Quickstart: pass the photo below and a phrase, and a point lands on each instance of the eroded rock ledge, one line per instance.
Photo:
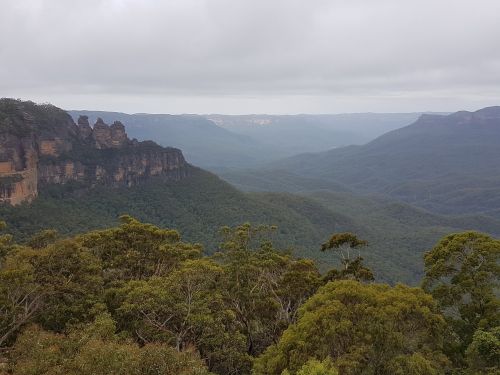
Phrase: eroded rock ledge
(41, 145)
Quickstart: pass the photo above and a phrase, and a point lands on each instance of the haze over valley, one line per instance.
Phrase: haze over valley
(218, 142)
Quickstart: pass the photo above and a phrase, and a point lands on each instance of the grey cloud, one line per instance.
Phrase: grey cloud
(230, 55)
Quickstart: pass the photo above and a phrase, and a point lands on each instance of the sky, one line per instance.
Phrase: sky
(252, 56)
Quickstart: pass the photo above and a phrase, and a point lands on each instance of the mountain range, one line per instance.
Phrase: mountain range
(86, 177)
(447, 164)
(224, 142)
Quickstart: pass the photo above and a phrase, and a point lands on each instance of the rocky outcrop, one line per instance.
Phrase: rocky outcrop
(41, 145)
(18, 169)
(84, 129)
(118, 136)
(103, 135)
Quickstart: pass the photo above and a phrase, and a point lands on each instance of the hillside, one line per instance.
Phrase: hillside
(279, 180)
(198, 206)
(201, 203)
(447, 164)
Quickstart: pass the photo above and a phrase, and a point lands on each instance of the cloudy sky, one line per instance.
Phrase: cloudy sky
(252, 56)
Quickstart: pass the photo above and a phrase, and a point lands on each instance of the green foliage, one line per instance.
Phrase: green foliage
(6, 243)
(315, 367)
(345, 244)
(155, 285)
(462, 273)
(414, 364)
(95, 349)
(262, 286)
(16, 117)
(20, 296)
(71, 283)
(11, 119)
(57, 285)
(483, 354)
(185, 309)
(340, 240)
(43, 238)
(135, 299)
(197, 206)
(245, 237)
(353, 270)
(201, 204)
(364, 329)
(398, 233)
(137, 251)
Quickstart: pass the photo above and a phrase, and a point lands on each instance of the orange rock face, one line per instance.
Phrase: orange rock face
(104, 155)
(106, 136)
(17, 186)
(24, 190)
(6, 167)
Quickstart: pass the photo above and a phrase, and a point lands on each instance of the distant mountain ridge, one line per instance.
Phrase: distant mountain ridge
(314, 132)
(220, 142)
(448, 164)
(204, 143)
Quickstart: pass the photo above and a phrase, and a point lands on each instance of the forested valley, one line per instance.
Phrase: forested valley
(253, 187)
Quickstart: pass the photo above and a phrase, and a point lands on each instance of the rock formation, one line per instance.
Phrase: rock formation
(41, 145)
(84, 129)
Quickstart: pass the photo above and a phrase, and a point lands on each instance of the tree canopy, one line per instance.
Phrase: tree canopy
(136, 299)
(362, 329)
(463, 273)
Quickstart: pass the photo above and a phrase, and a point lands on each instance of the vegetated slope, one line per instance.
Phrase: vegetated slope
(263, 180)
(202, 142)
(448, 164)
(198, 206)
(202, 203)
(398, 233)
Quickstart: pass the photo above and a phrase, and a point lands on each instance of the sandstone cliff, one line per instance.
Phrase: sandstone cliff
(41, 145)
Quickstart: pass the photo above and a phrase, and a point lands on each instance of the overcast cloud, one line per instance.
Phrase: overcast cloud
(252, 56)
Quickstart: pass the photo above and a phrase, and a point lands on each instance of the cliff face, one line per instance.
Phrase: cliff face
(41, 145)
(128, 168)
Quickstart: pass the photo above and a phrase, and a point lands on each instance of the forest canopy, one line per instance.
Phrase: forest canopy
(137, 299)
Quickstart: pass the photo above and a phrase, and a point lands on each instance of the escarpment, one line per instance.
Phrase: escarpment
(41, 145)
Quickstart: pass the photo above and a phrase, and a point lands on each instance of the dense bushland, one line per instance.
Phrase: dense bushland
(137, 299)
